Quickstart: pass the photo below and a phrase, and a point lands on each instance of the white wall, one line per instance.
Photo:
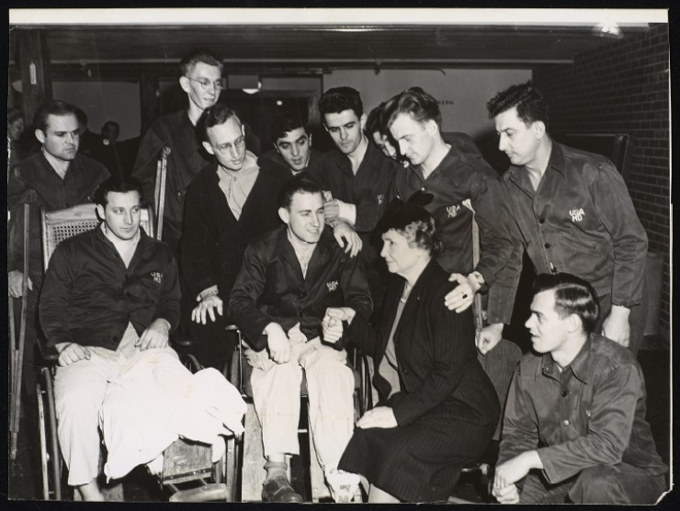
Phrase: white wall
(462, 93)
(104, 101)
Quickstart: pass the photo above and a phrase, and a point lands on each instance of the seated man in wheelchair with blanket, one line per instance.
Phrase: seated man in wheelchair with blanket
(109, 301)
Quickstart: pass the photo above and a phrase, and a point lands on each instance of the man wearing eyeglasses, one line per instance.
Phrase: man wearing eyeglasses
(202, 81)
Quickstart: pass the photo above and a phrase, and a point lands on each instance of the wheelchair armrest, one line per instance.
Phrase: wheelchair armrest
(49, 354)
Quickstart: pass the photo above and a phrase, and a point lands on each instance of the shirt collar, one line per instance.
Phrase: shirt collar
(249, 167)
(557, 160)
(579, 366)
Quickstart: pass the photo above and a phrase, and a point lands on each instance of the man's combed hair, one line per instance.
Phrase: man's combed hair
(118, 184)
(415, 102)
(297, 184)
(572, 296)
(198, 56)
(373, 124)
(55, 107)
(339, 99)
(285, 123)
(529, 101)
(213, 116)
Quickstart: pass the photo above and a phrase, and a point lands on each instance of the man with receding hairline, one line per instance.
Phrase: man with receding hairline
(574, 427)
(572, 213)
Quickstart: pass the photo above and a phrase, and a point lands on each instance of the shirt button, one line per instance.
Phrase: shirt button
(547, 245)
(565, 422)
(565, 393)
(541, 220)
(179, 195)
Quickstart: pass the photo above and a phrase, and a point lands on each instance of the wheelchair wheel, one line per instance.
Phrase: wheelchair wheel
(191, 363)
(50, 458)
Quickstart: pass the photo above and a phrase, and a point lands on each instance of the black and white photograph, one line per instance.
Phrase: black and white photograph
(339, 255)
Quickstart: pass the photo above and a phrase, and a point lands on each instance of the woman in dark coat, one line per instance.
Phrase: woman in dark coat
(438, 409)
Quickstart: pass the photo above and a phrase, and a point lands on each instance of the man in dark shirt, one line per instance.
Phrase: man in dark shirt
(110, 295)
(463, 186)
(202, 81)
(57, 177)
(576, 410)
(356, 178)
(572, 213)
(292, 144)
(288, 279)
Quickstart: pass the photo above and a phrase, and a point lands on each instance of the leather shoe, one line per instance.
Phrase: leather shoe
(278, 489)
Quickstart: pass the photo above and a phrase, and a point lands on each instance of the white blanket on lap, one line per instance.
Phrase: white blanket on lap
(159, 400)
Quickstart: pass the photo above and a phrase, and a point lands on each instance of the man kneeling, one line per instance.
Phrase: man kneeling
(288, 278)
(576, 410)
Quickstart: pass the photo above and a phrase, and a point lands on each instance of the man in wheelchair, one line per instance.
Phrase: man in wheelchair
(109, 301)
(288, 278)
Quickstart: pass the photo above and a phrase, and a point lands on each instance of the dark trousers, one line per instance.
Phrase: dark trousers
(601, 484)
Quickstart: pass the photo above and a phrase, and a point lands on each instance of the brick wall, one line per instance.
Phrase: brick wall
(622, 87)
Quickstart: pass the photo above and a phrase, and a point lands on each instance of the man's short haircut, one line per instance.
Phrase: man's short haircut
(213, 116)
(118, 184)
(530, 103)
(414, 102)
(572, 296)
(285, 123)
(198, 56)
(54, 107)
(339, 99)
(110, 123)
(373, 124)
(298, 184)
(81, 116)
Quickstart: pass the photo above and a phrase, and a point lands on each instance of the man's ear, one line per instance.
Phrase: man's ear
(40, 136)
(431, 126)
(283, 215)
(276, 148)
(101, 212)
(362, 121)
(574, 323)
(184, 83)
(310, 140)
(208, 148)
(539, 129)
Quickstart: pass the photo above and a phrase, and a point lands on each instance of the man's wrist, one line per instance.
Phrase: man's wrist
(620, 311)
(476, 280)
(207, 293)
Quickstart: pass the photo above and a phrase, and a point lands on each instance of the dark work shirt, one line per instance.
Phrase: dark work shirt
(271, 288)
(89, 296)
(81, 180)
(580, 220)
(459, 181)
(185, 161)
(368, 190)
(591, 413)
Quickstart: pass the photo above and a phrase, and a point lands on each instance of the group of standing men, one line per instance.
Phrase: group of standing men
(569, 210)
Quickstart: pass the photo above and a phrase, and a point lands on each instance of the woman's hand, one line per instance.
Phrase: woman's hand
(379, 417)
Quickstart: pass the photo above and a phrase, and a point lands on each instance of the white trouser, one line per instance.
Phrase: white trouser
(276, 395)
(79, 390)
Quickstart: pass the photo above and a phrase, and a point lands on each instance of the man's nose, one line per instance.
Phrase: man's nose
(343, 133)
(502, 143)
(296, 150)
(128, 218)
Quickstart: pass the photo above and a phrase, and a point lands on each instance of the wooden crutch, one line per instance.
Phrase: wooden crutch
(17, 360)
(159, 192)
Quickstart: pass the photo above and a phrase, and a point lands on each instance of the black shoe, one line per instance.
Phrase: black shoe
(278, 489)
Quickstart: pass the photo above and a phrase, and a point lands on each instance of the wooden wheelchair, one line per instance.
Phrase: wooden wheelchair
(188, 472)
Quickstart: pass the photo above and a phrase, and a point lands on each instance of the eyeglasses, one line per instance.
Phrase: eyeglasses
(205, 84)
(227, 148)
